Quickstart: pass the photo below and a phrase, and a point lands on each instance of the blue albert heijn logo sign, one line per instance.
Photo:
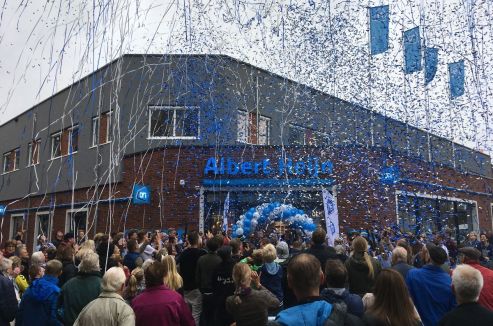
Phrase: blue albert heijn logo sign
(141, 195)
(389, 175)
(2, 210)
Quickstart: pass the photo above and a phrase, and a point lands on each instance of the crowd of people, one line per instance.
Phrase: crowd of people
(162, 278)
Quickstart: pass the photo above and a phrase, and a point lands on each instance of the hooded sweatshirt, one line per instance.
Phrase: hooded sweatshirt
(271, 279)
(360, 281)
(39, 303)
(313, 312)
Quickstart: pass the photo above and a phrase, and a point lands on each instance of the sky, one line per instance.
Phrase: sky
(46, 45)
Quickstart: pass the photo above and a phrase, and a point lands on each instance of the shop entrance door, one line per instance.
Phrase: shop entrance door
(309, 200)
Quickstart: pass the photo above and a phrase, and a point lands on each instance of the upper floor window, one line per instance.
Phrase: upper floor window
(253, 128)
(173, 122)
(73, 136)
(304, 136)
(65, 142)
(33, 152)
(56, 145)
(11, 160)
(101, 129)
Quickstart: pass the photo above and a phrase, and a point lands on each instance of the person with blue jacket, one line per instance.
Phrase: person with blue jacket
(39, 303)
(430, 287)
(305, 277)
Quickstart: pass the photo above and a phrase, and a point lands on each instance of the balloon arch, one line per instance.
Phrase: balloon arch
(267, 213)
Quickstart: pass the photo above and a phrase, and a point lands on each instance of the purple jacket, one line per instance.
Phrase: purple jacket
(159, 305)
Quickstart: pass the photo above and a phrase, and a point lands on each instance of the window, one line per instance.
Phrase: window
(43, 225)
(173, 122)
(76, 220)
(253, 128)
(296, 135)
(101, 131)
(304, 136)
(16, 226)
(109, 125)
(73, 136)
(11, 160)
(95, 131)
(420, 213)
(56, 145)
(33, 152)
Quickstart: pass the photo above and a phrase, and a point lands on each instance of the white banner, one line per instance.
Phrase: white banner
(225, 213)
(331, 216)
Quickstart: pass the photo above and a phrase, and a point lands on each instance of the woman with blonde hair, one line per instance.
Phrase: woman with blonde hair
(390, 304)
(250, 304)
(172, 280)
(362, 269)
(136, 284)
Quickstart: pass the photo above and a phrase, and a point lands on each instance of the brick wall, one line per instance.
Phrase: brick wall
(362, 200)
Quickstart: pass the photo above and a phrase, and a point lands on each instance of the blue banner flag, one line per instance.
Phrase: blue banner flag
(431, 64)
(379, 29)
(456, 78)
(412, 50)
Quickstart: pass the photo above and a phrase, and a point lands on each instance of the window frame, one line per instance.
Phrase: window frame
(52, 138)
(95, 131)
(109, 133)
(320, 134)
(15, 160)
(31, 151)
(174, 108)
(11, 227)
(475, 219)
(36, 225)
(68, 213)
(248, 128)
(70, 138)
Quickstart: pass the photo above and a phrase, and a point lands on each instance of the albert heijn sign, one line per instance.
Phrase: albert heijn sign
(141, 194)
(310, 167)
(3, 208)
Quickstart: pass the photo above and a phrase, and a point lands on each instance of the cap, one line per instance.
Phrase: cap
(470, 253)
(437, 254)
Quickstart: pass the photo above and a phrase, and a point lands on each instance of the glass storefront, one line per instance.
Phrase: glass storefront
(309, 201)
(420, 214)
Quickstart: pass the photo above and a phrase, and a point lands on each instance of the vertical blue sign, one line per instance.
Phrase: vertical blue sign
(412, 50)
(456, 78)
(431, 64)
(141, 195)
(379, 29)
(2, 210)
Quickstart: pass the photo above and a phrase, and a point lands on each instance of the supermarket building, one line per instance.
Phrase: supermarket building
(158, 141)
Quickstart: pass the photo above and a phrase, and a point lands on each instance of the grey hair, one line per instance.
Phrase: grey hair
(467, 282)
(5, 264)
(399, 254)
(147, 263)
(38, 258)
(113, 279)
(89, 263)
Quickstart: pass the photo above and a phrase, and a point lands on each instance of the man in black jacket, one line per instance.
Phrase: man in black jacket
(319, 249)
(467, 283)
(8, 300)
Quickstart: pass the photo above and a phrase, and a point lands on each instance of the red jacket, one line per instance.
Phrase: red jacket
(161, 306)
(486, 295)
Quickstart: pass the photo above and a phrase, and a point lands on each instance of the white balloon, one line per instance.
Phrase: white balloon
(239, 232)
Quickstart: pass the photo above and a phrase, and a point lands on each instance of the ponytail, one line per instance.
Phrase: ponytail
(369, 263)
(132, 285)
